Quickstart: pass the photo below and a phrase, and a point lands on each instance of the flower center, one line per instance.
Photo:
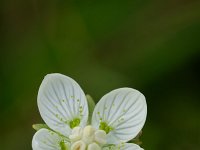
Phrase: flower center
(87, 138)
(104, 126)
(74, 123)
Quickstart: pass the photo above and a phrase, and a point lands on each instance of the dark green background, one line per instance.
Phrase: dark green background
(153, 46)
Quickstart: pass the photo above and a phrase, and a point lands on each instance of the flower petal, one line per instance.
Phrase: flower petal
(124, 146)
(130, 146)
(45, 139)
(62, 103)
(122, 113)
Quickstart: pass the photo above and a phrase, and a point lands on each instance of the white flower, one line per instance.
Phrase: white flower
(117, 118)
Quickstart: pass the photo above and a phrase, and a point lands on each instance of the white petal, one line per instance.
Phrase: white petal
(125, 146)
(45, 139)
(129, 146)
(61, 100)
(124, 110)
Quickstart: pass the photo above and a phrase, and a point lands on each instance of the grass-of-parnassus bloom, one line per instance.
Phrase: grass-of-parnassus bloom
(73, 122)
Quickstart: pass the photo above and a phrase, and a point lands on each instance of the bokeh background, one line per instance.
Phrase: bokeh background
(153, 46)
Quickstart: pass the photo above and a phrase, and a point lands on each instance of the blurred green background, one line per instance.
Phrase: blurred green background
(153, 46)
